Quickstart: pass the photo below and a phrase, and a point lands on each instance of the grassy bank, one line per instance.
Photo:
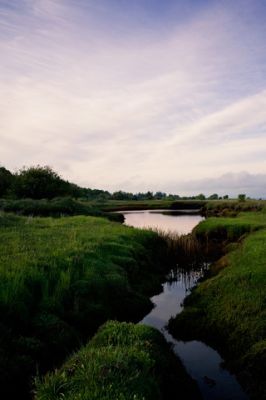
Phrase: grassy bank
(123, 361)
(228, 310)
(230, 229)
(231, 208)
(206, 207)
(60, 279)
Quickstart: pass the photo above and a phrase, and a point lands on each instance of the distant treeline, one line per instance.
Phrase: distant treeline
(41, 182)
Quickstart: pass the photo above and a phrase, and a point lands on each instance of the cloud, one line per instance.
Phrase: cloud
(110, 104)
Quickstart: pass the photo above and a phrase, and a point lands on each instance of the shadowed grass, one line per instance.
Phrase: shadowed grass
(123, 361)
(56, 207)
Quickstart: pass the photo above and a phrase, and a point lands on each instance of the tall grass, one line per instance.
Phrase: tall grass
(122, 361)
(60, 279)
(184, 247)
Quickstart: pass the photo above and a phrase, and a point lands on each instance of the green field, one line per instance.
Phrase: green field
(228, 309)
(60, 279)
(123, 361)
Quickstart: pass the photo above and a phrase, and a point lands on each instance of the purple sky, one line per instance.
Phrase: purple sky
(136, 95)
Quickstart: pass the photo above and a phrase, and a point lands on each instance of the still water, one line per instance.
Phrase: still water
(159, 220)
(202, 362)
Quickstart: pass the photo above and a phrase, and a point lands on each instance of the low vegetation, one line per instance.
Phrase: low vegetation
(58, 207)
(228, 309)
(60, 279)
(231, 208)
(123, 361)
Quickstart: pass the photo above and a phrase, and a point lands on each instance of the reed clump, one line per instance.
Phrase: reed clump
(185, 246)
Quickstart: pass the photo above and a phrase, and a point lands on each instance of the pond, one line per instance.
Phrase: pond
(202, 362)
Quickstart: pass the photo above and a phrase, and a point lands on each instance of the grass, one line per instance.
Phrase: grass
(123, 361)
(60, 279)
(229, 208)
(228, 310)
(121, 205)
(57, 207)
(230, 228)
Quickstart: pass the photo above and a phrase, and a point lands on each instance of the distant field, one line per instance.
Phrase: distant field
(208, 206)
(68, 206)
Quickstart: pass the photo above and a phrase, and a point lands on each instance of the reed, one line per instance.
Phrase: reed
(181, 247)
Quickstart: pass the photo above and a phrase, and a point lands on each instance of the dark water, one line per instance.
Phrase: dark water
(202, 362)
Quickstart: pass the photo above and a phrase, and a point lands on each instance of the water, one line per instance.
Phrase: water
(202, 362)
(156, 219)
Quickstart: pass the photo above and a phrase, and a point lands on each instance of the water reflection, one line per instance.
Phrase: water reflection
(202, 362)
(181, 224)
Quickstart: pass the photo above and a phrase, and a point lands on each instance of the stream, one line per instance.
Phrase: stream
(203, 363)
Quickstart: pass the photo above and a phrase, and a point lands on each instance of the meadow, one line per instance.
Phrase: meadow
(60, 279)
(227, 310)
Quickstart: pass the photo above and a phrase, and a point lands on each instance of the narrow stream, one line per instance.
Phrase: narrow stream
(202, 362)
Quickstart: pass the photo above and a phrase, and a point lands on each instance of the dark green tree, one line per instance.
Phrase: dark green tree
(159, 195)
(6, 181)
(200, 196)
(241, 197)
(213, 196)
(40, 182)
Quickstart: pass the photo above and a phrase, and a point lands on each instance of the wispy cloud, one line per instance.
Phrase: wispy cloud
(112, 103)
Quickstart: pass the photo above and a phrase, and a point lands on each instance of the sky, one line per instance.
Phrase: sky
(136, 95)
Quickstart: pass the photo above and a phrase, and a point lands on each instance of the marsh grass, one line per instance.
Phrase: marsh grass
(60, 279)
(123, 361)
(181, 248)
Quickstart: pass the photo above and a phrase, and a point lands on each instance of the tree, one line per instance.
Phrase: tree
(213, 196)
(226, 197)
(242, 197)
(200, 196)
(159, 195)
(40, 182)
(6, 181)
